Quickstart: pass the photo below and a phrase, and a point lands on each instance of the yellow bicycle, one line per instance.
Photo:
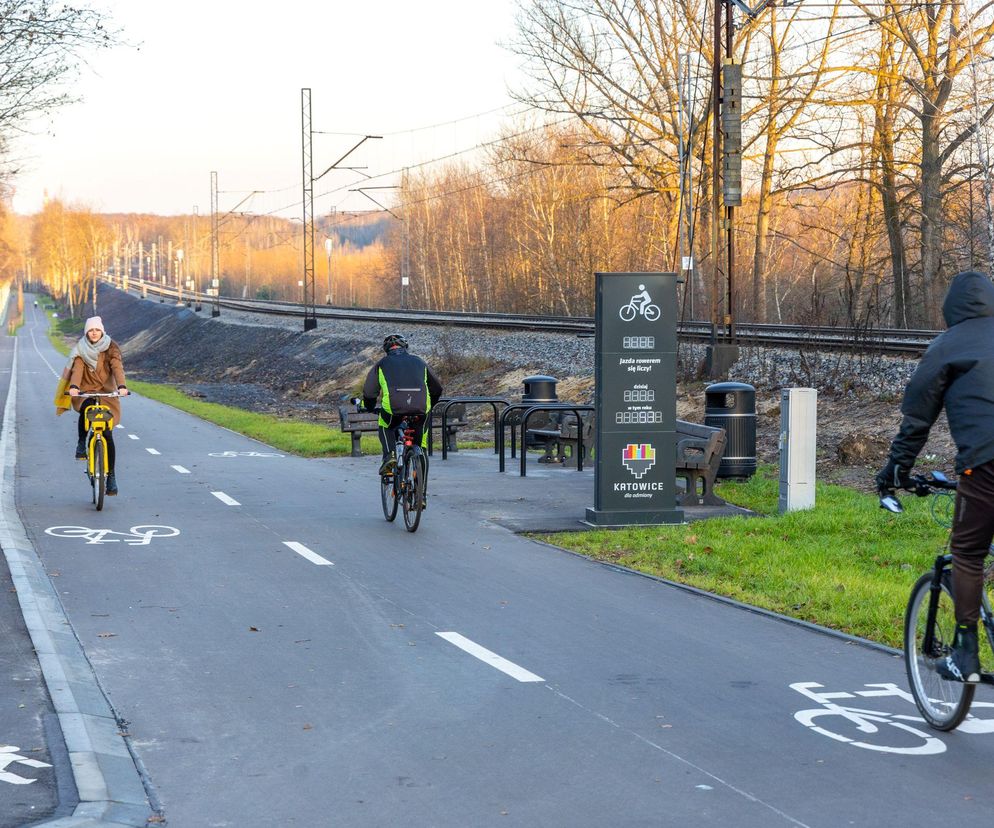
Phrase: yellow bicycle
(98, 419)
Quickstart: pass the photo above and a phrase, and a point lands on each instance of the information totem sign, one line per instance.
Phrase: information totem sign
(635, 374)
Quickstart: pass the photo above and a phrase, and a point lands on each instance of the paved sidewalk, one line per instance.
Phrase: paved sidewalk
(550, 498)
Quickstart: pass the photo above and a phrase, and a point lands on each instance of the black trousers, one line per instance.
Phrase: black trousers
(388, 434)
(388, 438)
(108, 434)
(973, 530)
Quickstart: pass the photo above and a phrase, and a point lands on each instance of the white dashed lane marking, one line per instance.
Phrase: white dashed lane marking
(491, 658)
(152, 451)
(304, 552)
(230, 501)
(181, 470)
(133, 437)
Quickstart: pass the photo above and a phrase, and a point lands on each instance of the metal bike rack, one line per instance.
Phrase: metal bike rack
(528, 409)
(450, 401)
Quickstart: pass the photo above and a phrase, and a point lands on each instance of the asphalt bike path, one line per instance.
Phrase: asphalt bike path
(279, 655)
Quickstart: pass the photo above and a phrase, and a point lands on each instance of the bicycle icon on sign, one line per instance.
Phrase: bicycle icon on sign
(136, 536)
(243, 454)
(640, 303)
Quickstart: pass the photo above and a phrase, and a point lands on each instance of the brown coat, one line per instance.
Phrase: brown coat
(108, 375)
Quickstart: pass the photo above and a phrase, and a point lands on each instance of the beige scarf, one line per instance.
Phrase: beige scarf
(88, 351)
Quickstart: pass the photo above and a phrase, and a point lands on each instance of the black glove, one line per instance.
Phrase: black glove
(892, 476)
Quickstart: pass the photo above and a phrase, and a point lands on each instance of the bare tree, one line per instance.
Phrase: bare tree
(41, 46)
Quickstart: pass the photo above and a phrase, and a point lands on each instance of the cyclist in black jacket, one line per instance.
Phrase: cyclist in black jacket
(406, 385)
(957, 371)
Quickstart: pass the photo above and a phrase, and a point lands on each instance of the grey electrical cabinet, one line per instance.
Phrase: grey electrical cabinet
(798, 443)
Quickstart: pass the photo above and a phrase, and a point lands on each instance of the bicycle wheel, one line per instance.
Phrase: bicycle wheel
(388, 494)
(413, 489)
(943, 704)
(99, 478)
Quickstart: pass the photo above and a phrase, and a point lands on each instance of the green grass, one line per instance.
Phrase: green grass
(846, 564)
(58, 329)
(294, 436)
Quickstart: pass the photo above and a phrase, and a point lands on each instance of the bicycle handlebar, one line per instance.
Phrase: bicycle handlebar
(922, 485)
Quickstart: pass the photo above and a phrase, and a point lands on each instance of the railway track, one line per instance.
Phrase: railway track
(875, 340)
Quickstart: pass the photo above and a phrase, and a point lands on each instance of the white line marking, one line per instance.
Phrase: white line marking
(494, 660)
(133, 437)
(181, 470)
(230, 501)
(151, 451)
(304, 552)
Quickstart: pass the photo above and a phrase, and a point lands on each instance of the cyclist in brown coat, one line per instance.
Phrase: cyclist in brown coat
(95, 366)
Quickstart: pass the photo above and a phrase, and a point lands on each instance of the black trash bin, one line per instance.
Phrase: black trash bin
(732, 406)
(540, 389)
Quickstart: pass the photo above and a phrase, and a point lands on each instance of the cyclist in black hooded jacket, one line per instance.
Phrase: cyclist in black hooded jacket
(957, 371)
(406, 385)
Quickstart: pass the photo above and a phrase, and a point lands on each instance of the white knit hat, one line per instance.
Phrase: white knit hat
(94, 322)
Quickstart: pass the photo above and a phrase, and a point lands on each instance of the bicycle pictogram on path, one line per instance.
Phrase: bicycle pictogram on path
(8, 756)
(243, 454)
(877, 730)
(135, 536)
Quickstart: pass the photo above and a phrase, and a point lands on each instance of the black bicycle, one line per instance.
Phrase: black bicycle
(930, 622)
(405, 484)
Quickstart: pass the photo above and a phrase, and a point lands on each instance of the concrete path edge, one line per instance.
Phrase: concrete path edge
(110, 786)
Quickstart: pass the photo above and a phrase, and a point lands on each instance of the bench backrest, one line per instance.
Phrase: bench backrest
(698, 445)
(569, 431)
(353, 420)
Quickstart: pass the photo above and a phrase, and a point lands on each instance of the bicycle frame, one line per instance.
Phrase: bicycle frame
(98, 420)
(943, 564)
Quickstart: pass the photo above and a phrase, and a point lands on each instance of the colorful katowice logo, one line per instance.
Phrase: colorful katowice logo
(638, 458)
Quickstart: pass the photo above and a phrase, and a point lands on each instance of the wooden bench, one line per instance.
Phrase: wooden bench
(566, 436)
(455, 418)
(698, 455)
(357, 423)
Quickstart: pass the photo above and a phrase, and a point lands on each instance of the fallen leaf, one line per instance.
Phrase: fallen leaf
(308, 727)
(106, 635)
(253, 629)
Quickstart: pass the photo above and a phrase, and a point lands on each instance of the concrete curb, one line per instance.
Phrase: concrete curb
(110, 787)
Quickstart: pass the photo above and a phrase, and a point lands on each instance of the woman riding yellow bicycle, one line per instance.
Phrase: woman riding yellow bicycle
(95, 366)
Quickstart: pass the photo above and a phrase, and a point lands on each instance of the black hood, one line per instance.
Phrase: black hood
(970, 295)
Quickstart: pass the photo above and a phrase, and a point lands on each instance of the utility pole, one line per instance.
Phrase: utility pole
(215, 263)
(310, 310)
(726, 189)
(726, 152)
(309, 179)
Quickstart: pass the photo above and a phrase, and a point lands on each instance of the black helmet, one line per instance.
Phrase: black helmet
(393, 341)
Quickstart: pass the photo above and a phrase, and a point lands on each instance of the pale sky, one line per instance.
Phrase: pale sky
(215, 85)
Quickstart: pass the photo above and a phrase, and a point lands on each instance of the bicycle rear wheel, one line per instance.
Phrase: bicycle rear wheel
(388, 494)
(413, 489)
(943, 704)
(99, 479)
